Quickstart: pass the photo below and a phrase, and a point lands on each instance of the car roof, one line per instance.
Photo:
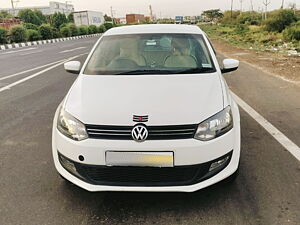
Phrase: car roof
(155, 28)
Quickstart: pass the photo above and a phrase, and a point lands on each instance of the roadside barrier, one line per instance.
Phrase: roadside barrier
(33, 43)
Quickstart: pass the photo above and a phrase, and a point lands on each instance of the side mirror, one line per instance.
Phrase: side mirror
(73, 67)
(230, 65)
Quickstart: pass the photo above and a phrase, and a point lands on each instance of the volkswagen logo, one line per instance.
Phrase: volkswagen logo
(139, 133)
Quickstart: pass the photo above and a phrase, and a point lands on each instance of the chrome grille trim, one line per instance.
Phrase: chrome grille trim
(166, 132)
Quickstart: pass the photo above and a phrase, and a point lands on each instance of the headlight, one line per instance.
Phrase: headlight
(215, 126)
(70, 126)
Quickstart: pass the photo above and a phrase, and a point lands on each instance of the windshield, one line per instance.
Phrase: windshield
(138, 54)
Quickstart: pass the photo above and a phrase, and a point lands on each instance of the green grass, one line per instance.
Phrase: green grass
(254, 37)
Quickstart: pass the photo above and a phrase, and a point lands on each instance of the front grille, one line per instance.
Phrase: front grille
(142, 176)
(155, 132)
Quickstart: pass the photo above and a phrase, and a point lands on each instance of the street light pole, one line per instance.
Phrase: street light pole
(231, 9)
(266, 3)
(13, 7)
(282, 4)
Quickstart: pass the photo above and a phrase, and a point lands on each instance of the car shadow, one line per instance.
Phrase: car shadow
(136, 207)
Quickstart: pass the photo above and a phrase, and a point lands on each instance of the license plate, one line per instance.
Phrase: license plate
(151, 159)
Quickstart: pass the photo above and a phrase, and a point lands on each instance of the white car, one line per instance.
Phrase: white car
(149, 111)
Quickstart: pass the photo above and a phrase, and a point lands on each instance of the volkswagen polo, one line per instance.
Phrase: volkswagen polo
(149, 111)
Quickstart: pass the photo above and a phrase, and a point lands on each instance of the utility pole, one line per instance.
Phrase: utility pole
(112, 15)
(282, 4)
(151, 13)
(13, 6)
(241, 2)
(231, 9)
(266, 3)
(252, 9)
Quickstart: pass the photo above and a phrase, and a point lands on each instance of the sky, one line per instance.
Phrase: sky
(161, 8)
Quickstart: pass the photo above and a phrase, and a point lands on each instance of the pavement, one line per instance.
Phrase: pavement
(266, 191)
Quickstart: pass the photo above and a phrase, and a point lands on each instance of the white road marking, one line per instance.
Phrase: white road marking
(278, 135)
(22, 50)
(7, 87)
(71, 50)
(27, 71)
(29, 53)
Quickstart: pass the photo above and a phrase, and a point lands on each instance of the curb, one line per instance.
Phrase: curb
(34, 43)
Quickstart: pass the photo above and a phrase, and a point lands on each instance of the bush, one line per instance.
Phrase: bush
(280, 19)
(73, 29)
(17, 33)
(92, 29)
(33, 35)
(101, 29)
(3, 36)
(108, 26)
(292, 33)
(55, 33)
(83, 30)
(241, 29)
(250, 18)
(228, 19)
(65, 32)
(31, 26)
(45, 31)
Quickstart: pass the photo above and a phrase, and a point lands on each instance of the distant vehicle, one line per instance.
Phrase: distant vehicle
(193, 20)
(178, 19)
(88, 18)
(149, 111)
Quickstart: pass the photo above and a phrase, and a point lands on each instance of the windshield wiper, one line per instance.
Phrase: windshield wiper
(195, 70)
(137, 72)
(185, 71)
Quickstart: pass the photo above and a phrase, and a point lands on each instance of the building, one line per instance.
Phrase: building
(135, 18)
(7, 23)
(121, 20)
(53, 7)
(88, 18)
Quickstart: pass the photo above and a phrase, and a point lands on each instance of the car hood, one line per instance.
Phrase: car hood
(166, 99)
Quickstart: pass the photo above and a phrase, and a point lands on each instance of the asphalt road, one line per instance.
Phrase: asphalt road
(267, 190)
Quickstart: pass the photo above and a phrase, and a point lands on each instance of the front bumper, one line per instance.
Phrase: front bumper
(187, 153)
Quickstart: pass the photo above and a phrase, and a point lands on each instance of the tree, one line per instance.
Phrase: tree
(28, 16)
(58, 19)
(107, 18)
(4, 14)
(71, 18)
(40, 15)
(213, 14)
